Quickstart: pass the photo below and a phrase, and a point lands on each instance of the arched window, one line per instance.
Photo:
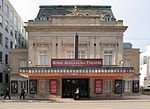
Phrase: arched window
(107, 17)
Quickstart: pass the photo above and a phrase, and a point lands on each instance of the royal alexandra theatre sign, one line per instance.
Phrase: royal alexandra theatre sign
(76, 62)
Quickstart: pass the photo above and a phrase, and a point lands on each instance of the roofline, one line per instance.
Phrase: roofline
(78, 6)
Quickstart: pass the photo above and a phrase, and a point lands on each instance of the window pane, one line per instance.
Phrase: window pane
(108, 58)
(1, 77)
(6, 78)
(1, 56)
(23, 63)
(1, 4)
(127, 63)
(43, 58)
(6, 59)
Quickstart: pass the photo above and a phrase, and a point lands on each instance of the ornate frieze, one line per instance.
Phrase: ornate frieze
(76, 28)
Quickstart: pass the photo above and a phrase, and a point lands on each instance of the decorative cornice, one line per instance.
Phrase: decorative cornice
(76, 28)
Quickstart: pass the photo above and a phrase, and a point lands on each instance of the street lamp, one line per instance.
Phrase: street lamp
(30, 62)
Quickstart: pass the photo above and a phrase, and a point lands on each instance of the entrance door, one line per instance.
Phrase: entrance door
(69, 87)
(42, 86)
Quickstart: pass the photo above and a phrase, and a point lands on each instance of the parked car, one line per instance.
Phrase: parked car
(146, 88)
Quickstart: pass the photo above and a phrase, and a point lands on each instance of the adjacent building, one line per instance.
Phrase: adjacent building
(12, 36)
(73, 47)
(145, 67)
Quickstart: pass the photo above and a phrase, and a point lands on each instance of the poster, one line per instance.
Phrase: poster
(98, 86)
(14, 86)
(53, 86)
(33, 86)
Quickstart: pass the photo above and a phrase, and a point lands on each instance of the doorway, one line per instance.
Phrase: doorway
(70, 85)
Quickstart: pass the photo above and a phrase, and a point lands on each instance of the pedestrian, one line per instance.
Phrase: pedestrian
(76, 95)
(7, 93)
(22, 94)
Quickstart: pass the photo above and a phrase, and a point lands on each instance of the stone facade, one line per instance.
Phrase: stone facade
(12, 35)
(99, 38)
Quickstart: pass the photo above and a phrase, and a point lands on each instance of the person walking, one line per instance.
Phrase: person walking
(22, 94)
(76, 95)
(7, 93)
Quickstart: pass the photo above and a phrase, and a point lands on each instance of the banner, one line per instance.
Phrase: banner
(98, 86)
(14, 86)
(53, 86)
(33, 86)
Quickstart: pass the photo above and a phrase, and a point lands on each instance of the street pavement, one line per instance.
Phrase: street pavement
(128, 102)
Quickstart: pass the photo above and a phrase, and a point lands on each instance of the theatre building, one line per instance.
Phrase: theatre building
(72, 47)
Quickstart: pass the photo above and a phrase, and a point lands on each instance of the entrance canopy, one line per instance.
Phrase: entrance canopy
(77, 72)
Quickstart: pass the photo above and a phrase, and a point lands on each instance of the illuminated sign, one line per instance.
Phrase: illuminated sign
(76, 62)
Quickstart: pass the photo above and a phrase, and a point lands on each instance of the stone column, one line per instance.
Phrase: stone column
(60, 51)
(53, 47)
(97, 48)
(91, 48)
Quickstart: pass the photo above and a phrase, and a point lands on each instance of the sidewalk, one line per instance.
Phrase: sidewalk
(70, 100)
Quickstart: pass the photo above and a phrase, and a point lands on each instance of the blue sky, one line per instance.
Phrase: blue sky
(134, 13)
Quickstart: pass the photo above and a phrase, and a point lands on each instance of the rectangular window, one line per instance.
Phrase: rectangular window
(1, 77)
(82, 55)
(1, 39)
(108, 57)
(11, 30)
(11, 44)
(127, 63)
(7, 10)
(6, 26)
(144, 61)
(22, 63)
(70, 55)
(15, 21)
(43, 58)
(1, 56)
(1, 21)
(23, 85)
(6, 78)
(6, 59)
(11, 16)
(6, 42)
(1, 4)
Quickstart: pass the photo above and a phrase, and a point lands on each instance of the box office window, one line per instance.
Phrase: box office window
(98, 86)
(53, 86)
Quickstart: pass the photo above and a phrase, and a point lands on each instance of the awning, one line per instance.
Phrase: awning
(76, 75)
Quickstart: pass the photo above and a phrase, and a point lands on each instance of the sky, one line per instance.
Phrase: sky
(134, 13)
